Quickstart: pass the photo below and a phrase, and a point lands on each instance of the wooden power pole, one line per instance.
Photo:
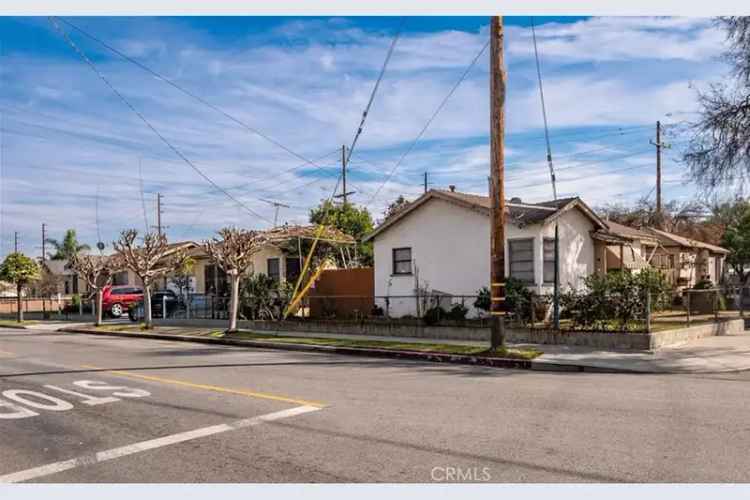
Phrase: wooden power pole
(44, 241)
(659, 145)
(497, 183)
(158, 213)
(344, 194)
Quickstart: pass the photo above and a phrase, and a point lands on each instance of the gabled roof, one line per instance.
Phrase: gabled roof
(675, 239)
(630, 233)
(519, 214)
(58, 267)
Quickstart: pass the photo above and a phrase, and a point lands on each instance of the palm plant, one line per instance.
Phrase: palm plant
(69, 246)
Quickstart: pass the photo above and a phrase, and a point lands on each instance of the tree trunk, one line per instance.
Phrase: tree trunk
(234, 301)
(147, 306)
(98, 320)
(19, 305)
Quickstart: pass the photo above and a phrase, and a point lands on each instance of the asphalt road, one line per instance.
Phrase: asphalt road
(156, 411)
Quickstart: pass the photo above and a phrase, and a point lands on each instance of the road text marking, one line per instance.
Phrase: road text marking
(103, 456)
(215, 388)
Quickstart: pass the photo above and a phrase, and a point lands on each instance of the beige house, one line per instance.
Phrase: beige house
(683, 261)
(280, 259)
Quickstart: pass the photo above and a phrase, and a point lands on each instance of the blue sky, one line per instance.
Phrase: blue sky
(72, 149)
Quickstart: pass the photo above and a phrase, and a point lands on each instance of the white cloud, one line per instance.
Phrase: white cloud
(71, 132)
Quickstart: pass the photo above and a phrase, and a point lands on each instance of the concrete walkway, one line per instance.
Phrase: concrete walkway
(729, 353)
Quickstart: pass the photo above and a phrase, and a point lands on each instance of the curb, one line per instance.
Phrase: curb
(17, 327)
(522, 364)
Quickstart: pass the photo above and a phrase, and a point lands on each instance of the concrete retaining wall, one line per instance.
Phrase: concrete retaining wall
(346, 328)
(599, 340)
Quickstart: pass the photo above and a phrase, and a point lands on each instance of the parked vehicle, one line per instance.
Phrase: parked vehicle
(159, 299)
(117, 299)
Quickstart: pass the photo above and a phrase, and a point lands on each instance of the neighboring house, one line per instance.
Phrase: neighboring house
(688, 261)
(281, 259)
(69, 282)
(440, 244)
(634, 250)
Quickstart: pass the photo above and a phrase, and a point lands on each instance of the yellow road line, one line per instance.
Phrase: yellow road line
(7, 354)
(215, 388)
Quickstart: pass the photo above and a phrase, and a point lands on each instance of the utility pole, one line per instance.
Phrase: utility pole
(44, 241)
(425, 182)
(15, 242)
(659, 145)
(343, 169)
(344, 194)
(497, 183)
(158, 213)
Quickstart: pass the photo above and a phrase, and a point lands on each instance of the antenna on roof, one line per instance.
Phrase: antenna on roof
(276, 205)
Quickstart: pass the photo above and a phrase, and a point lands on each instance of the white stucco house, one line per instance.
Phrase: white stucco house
(440, 244)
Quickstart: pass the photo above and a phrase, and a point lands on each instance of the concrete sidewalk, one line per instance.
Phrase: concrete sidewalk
(708, 355)
(729, 353)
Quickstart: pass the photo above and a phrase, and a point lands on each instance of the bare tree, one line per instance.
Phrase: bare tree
(233, 253)
(96, 271)
(47, 286)
(151, 261)
(718, 154)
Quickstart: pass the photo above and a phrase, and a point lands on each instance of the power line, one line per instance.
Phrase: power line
(426, 126)
(375, 89)
(626, 169)
(188, 93)
(546, 130)
(150, 126)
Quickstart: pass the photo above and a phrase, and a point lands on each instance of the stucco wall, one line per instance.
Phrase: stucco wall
(259, 265)
(451, 250)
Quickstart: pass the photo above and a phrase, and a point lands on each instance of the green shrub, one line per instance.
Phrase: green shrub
(433, 315)
(458, 312)
(262, 297)
(519, 300)
(483, 300)
(703, 284)
(616, 300)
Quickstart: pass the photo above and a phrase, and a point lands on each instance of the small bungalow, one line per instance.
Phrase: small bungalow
(440, 244)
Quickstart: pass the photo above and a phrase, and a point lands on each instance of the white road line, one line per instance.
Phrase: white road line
(103, 456)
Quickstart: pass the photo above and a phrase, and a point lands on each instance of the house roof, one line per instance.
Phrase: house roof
(58, 267)
(519, 213)
(282, 234)
(630, 233)
(682, 241)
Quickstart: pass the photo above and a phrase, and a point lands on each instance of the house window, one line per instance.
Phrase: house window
(273, 268)
(521, 256)
(215, 280)
(292, 268)
(120, 278)
(402, 261)
(67, 287)
(549, 260)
